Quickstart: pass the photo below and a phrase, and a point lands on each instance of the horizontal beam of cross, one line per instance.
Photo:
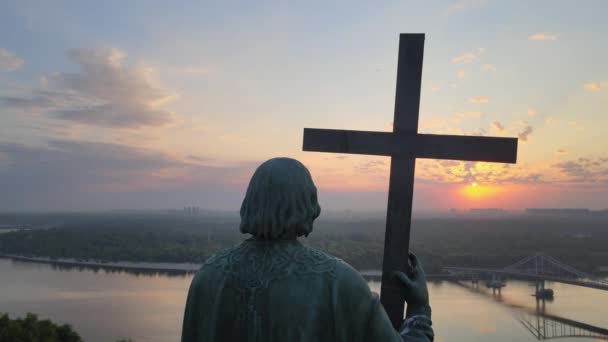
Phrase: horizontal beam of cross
(414, 145)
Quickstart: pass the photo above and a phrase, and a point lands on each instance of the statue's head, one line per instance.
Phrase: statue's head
(281, 201)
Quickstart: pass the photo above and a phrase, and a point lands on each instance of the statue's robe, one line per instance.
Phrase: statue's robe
(281, 290)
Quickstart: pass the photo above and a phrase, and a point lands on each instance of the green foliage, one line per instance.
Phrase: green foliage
(122, 237)
(31, 329)
(439, 242)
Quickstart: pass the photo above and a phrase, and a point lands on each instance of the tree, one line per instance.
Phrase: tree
(31, 329)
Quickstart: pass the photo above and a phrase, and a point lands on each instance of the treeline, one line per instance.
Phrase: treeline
(124, 237)
(439, 242)
(31, 329)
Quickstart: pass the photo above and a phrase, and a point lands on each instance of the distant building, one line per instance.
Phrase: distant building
(487, 212)
(558, 211)
(192, 210)
(600, 213)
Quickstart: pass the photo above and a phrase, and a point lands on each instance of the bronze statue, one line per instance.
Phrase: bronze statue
(271, 287)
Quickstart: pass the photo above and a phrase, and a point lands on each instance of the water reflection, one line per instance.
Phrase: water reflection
(107, 304)
(542, 325)
(122, 270)
(545, 327)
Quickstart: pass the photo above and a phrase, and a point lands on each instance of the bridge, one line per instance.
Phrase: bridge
(538, 267)
(545, 327)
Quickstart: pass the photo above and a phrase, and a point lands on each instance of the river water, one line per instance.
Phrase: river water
(104, 306)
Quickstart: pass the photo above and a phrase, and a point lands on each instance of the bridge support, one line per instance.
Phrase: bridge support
(541, 292)
(495, 283)
(475, 279)
(538, 267)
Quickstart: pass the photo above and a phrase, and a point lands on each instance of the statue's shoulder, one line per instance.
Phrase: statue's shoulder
(346, 279)
(275, 260)
(348, 274)
(312, 260)
(223, 258)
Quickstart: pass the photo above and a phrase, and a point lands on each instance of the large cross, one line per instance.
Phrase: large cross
(404, 145)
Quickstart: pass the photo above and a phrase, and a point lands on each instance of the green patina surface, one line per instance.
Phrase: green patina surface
(273, 288)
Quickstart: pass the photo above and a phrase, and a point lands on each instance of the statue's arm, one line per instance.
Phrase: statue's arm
(359, 315)
(415, 328)
(417, 324)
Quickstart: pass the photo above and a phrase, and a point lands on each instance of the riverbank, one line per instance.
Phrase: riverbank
(156, 267)
(160, 267)
(150, 308)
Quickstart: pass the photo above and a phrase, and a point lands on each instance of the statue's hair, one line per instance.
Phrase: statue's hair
(281, 201)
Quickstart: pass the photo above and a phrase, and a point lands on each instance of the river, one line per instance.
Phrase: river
(104, 306)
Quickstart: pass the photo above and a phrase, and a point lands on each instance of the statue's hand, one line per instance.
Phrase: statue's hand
(415, 290)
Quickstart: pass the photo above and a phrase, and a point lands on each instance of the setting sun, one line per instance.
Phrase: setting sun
(478, 191)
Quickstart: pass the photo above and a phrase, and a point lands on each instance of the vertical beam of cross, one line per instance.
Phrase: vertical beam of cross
(404, 145)
(401, 180)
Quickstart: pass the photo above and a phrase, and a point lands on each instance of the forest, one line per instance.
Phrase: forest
(30, 328)
(175, 237)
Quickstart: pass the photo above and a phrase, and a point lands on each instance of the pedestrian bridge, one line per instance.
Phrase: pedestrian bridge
(546, 327)
(537, 267)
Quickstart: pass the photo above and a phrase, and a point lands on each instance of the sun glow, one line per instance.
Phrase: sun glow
(476, 191)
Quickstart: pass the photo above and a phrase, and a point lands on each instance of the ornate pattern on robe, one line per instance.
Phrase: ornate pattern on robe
(282, 290)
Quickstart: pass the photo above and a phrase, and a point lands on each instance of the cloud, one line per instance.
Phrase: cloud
(103, 93)
(373, 166)
(75, 175)
(112, 115)
(498, 126)
(576, 125)
(338, 157)
(449, 163)
(525, 133)
(35, 102)
(464, 58)
(435, 87)
(86, 159)
(467, 57)
(531, 112)
(595, 86)
(462, 5)
(471, 115)
(580, 170)
(488, 68)
(197, 158)
(460, 172)
(479, 99)
(481, 132)
(454, 120)
(543, 36)
(65, 171)
(190, 70)
(8, 61)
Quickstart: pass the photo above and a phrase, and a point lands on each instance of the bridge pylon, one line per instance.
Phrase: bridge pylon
(540, 268)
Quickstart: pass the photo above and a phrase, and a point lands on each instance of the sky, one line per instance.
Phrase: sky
(158, 104)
